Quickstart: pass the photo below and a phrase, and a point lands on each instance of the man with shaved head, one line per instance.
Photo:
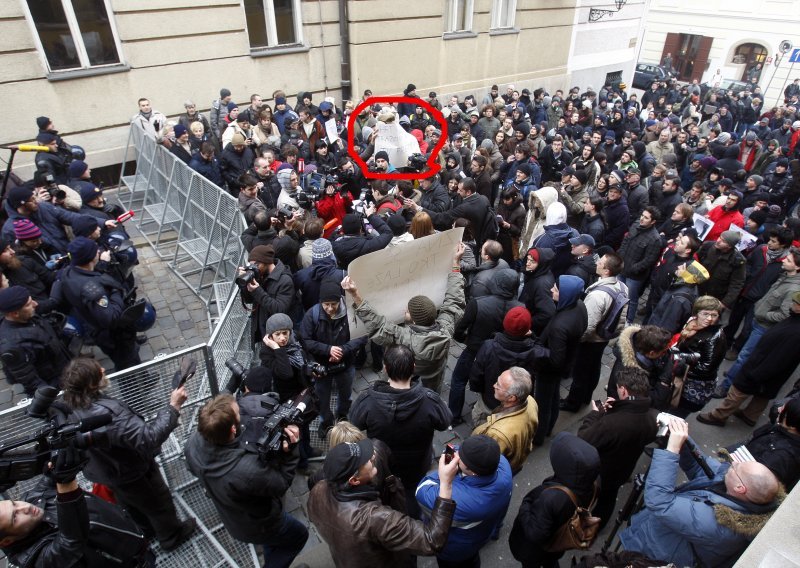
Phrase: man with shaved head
(705, 521)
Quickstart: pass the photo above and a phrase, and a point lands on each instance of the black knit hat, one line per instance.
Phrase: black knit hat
(258, 379)
(422, 310)
(481, 454)
(330, 291)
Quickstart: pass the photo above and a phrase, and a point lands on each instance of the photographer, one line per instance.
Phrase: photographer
(49, 527)
(126, 464)
(325, 334)
(266, 283)
(706, 522)
(351, 178)
(333, 204)
(246, 491)
(354, 242)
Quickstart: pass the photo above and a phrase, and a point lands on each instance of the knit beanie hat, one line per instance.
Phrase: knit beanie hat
(731, 237)
(481, 454)
(321, 248)
(82, 250)
(78, 167)
(397, 224)
(26, 230)
(695, 273)
(237, 139)
(534, 254)
(330, 291)
(422, 310)
(178, 129)
(278, 322)
(383, 154)
(13, 298)
(258, 379)
(18, 196)
(232, 105)
(84, 226)
(517, 322)
(262, 253)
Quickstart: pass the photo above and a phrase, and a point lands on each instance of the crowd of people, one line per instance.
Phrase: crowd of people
(574, 207)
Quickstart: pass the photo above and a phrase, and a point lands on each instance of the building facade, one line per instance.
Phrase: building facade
(732, 36)
(84, 64)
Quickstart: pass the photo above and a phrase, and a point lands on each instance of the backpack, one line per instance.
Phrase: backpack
(580, 531)
(607, 328)
(490, 228)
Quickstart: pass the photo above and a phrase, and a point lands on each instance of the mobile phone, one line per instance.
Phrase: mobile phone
(599, 404)
(449, 452)
(499, 218)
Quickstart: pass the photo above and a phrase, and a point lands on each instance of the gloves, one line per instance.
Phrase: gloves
(68, 462)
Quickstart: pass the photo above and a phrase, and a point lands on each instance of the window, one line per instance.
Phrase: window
(75, 34)
(749, 53)
(503, 13)
(459, 16)
(273, 23)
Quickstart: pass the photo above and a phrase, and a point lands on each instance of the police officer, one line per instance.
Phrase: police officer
(98, 300)
(51, 161)
(122, 254)
(31, 349)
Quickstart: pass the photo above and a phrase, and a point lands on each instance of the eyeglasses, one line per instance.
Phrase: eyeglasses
(741, 481)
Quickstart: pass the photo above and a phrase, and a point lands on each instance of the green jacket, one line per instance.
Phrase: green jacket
(430, 344)
(776, 304)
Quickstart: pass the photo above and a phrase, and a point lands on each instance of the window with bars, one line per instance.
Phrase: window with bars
(75, 34)
(273, 23)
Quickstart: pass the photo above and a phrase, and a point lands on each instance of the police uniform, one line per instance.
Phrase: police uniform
(98, 300)
(32, 353)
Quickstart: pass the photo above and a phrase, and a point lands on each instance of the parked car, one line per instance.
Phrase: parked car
(646, 73)
(730, 85)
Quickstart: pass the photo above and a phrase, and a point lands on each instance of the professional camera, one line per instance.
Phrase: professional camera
(685, 358)
(285, 212)
(297, 412)
(416, 163)
(317, 369)
(250, 274)
(52, 187)
(43, 444)
(662, 421)
(237, 375)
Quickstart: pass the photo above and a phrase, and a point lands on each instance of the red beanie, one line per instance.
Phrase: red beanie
(534, 254)
(517, 322)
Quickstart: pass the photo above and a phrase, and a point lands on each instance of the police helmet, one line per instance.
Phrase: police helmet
(78, 153)
(147, 319)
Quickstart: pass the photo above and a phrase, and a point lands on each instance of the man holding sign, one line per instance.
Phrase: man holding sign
(426, 331)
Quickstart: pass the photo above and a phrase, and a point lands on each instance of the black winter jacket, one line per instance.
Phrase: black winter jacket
(483, 316)
(773, 360)
(499, 354)
(247, 493)
(318, 333)
(726, 273)
(576, 465)
(405, 421)
(640, 251)
(536, 294)
(275, 295)
(349, 247)
(779, 450)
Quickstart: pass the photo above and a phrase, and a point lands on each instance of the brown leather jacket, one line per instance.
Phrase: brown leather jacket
(361, 532)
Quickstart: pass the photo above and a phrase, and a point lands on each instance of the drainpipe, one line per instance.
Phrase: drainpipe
(344, 31)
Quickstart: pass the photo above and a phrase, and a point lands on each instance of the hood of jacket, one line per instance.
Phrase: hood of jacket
(732, 152)
(322, 267)
(625, 346)
(570, 289)
(504, 283)
(556, 214)
(546, 256)
(747, 524)
(575, 462)
(398, 404)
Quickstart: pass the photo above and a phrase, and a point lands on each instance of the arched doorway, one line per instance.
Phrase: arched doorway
(752, 56)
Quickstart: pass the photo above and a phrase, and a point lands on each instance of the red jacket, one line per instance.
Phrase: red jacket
(722, 221)
(331, 207)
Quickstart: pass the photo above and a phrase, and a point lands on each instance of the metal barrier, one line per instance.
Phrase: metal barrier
(182, 215)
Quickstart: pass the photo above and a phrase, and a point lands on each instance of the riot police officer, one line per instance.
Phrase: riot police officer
(99, 301)
(31, 349)
(51, 162)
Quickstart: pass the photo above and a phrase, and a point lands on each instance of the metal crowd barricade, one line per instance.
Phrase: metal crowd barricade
(146, 389)
(183, 216)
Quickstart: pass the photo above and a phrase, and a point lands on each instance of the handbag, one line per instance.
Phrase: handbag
(580, 531)
(677, 388)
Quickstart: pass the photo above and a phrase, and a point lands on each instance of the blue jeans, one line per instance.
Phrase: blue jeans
(285, 544)
(344, 386)
(634, 291)
(458, 382)
(744, 354)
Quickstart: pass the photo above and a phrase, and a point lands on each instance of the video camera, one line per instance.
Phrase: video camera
(297, 412)
(685, 358)
(46, 442)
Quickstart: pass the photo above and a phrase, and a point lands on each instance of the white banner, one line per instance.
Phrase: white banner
(390, 277)
(330, 130)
